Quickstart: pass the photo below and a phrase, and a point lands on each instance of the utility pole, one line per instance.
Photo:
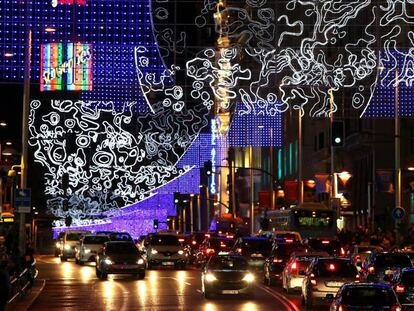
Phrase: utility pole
(300, 168)
(397, 157)
(251, 191)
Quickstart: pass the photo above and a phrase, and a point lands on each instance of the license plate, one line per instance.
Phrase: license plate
(124, 267)
(334, 284)
(230, 292)
(168, 263)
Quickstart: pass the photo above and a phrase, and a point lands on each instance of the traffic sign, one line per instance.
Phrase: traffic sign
(23, 198)
(398, 213)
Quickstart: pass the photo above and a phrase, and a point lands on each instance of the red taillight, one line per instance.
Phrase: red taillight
(332, 267)
(325, 242)
(181, 240)
(207, 235)
(223, 245)
(357, 278)
(357, 257)
(400, 288)
(239, 250)
(342, 308)
(194, 242)
(277, 260)
(313, 282)
(397, 307)
(294, 265)
(230, 237)
(371, 269)
(342, 251)
(289, 240)
(210, 251)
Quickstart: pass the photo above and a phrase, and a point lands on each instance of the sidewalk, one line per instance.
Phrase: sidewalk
(23, 304)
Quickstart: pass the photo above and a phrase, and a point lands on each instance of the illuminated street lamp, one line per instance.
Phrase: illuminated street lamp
(344, 177)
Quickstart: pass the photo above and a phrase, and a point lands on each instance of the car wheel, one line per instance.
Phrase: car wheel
(207, 295)
(98, 273)
(104, 275)
(308, 304)
(81, 262)
(140, 275)
(63, 258)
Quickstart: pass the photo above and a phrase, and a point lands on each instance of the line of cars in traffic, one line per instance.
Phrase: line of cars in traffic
(324, 272)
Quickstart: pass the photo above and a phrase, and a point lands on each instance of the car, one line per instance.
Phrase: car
(254, 250)
(276, 261)
(381, 266)
(331, 245)
(58, 244)
(167, 251)
(324, 277)
(295, 269)
(193, 245)
(90, 245)
(403, 284)
(120, 257)
(120, 236)
(358, 253)
(70, 241)
(210, 247)
(288, 236)
(365, 296)
(227, 275)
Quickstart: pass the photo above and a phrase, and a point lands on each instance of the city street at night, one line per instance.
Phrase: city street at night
(70, 287)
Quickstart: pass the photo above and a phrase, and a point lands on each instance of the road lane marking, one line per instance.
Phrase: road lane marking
(286, 302)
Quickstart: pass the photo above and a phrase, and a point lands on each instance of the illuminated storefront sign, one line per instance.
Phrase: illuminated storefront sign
(66, 66)
(213, 189)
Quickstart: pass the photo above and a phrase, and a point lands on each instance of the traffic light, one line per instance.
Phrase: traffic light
(155, 224)
(208, 167)
(177, 197)
(337, 139)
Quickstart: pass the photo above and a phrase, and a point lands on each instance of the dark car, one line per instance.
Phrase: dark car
(330, 245)
(254, 250)
(276, 261)
(227, 275)
(120, 257)
(365, 296)
(381, 266)
(212, 246)
(120, 236)
(403, 283)
(193, 243)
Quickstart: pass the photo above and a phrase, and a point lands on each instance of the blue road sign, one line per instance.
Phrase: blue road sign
(23, 198)
(398, 213)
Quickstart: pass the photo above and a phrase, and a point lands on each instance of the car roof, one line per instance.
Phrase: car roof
(120, 242)
(403, 270)
(335, 258)
(377, 285)
(255, 238)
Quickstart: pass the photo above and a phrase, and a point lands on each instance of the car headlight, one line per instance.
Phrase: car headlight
(209, 277)
(87, 250)
(180, 252)
(58, 245)
(154, 251)
(107, 261)
(140, 261)
(67, 247)
(249, 277)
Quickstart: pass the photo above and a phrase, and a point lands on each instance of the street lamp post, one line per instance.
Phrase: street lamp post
(397, 157)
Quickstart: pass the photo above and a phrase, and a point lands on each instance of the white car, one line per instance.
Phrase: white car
(71, 241)
(295, 269)
(166, 250)
(90, 245)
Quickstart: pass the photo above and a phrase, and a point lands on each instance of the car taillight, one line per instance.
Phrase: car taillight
(207, 235)
(342, 308)
(194, 242)
(223, 245)
(332, 267)
(294, 265)
(313, 282)
(396, 307)
(357, 257)
(342, 251)
(289, 240)
(325, 242)
(277, 260)
(181, 240)
(371, 269)
(239, 250)
(357, 278)
(210, 251)
(400, 288)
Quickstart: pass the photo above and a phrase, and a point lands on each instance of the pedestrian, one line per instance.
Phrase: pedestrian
(4, 285)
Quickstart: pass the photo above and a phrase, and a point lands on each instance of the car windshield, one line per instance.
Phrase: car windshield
(165, 240)
(257, 246)
(287, 236)
(368, 296)
(120, 236)
(95, 239)
(227, 263)
(336, 268)
(285, 250)
(121, 248)
(324, 245)
(408, 278)
(392, 261)
(73, 236)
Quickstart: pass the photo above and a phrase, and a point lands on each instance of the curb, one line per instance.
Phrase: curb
(26, 303)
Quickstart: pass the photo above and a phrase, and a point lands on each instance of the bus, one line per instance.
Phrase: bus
(227, 224)
(309, 219)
